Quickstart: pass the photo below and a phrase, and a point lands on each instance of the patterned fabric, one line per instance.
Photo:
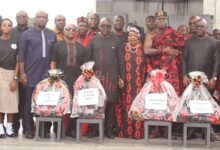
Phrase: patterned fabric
(162, 61)
(89, 111)
(63, 106)
(196, 90)
(85, 41)
(59, 35)
(155, 84)
(134, 78)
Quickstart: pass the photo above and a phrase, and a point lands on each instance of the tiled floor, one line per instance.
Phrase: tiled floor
(68, 143)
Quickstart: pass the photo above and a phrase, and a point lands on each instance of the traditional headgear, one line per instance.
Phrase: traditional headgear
(161, 13)
(134, 29)
(82, 19)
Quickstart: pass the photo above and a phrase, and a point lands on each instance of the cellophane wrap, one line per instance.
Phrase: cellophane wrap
(88, 111)
(196, 90)
(156, 83)
(63, 106)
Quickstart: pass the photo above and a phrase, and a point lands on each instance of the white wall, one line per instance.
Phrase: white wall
(69, 8)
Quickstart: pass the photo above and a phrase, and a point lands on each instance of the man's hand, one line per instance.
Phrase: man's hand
(171, 52)
(13, 85)
(23, 78)
(212, 84)
(121, 83)
(186, 81)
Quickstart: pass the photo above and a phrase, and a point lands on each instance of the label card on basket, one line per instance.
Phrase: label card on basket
(48, 98)
(157, 101)
(200, 107)
(88, 97)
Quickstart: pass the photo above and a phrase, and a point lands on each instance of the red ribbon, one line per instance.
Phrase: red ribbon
(156, 80)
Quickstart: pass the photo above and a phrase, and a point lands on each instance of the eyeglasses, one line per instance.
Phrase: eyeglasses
(69, 29)
(105, 26)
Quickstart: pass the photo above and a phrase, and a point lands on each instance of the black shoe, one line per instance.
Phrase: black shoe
(110, 135)
(2, 136)
(13, 135)
(72, 134)
(29, 135)
(92, 134)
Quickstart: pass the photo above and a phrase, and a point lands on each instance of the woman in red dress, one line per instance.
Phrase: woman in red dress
(132, 79)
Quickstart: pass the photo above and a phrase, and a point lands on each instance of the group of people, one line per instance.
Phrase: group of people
(123, 60)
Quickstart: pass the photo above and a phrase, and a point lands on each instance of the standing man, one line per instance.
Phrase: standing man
(22, 25)
(103, 50)
(118, 25)
(82, 30)
(93, 22)
(34, 56)
(192, 25)
(60, 23)
(164, 48)
(69, 55)
(201, 54)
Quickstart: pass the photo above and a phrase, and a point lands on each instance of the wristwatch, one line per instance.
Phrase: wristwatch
(15, 77)
(215, 78)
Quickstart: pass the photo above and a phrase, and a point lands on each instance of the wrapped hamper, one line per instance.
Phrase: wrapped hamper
(156, 100)
(197, 104)
(89, 95)
(51, 97)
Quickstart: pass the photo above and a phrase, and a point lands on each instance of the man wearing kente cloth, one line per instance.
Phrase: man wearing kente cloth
(164, 50)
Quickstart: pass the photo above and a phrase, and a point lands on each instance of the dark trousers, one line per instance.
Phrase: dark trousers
(27, 115)
(19, 115)
(109, 116)
(109, 119)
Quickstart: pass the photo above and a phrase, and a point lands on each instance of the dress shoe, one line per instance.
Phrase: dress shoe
(92, 134)
(2, 136)
(110, 135)
(29, 135)
(13, 135)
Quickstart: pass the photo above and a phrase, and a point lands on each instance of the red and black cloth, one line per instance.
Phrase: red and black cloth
(172, 65)
(132, 65)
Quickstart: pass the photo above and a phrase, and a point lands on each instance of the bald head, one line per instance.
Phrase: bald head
(192, 21)
(105, 19)
(22, 18)
(203, 21)
(41, 18)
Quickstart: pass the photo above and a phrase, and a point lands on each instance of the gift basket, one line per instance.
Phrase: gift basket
(156, 100)
(89, 95)
(197, 104)
(51, 97)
